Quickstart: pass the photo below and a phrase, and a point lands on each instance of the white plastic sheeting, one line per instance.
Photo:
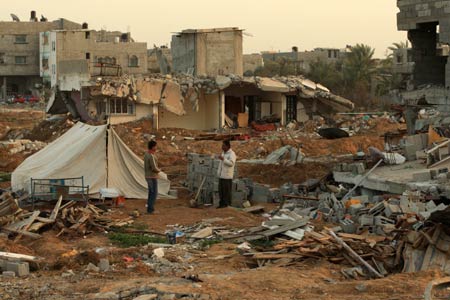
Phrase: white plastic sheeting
(81, 151)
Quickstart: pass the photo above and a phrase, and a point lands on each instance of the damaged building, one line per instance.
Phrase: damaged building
(211, 52)
(95, 80)
(70, 58)
(210, 103)
(428, 27)
(19, 53)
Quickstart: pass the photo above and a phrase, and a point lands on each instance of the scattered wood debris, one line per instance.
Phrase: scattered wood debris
(68, 218)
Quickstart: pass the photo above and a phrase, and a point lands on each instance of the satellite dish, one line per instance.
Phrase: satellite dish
(15, 18)
(43, 19)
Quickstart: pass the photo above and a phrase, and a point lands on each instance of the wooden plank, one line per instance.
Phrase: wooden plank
(27, 225)
(45, 220)
(80, 222)
(55, 211)
(275, 256)
(352, 236)
(354, 255)
(17, 256)
(22, 232)
(253, 209)
(281, 229)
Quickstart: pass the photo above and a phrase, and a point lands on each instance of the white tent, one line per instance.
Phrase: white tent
(94, 152)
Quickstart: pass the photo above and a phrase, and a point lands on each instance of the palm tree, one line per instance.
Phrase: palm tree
(397, 46)
(325, 73)
(359, 65)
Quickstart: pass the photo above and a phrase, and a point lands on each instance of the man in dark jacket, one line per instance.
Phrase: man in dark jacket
(151, 175)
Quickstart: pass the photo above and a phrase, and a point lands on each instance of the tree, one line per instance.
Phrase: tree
(358, 69)
(397, 46)
(326, 74)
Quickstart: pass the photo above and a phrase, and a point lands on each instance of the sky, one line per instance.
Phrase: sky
(274, 25)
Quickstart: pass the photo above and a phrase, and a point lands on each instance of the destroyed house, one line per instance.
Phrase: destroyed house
(209, 103)
(70, 58)
(428, 27)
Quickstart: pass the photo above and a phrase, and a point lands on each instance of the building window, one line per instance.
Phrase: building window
(115, 106)
(45, 39)
(399, 59)
(45, 63)
(87, 34)
(53, 46)
(53, 69)
(21, 39)
(88, 55)
(21, 60)
(134, 61)
(2, 58)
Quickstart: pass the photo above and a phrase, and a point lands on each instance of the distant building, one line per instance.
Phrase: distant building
(159, 57)
(211, 52)
(252, 62)
(71, 60)
(402, 61)
(84, 52)
(19, 53)
(303, 59)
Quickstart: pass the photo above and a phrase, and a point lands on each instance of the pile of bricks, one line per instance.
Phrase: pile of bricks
(203, 167)
(14, 268)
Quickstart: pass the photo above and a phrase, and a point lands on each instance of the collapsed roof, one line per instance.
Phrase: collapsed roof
(171, 91)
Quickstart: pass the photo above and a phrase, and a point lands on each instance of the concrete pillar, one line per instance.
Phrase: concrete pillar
(221, 109)
(4, 88)
(283, 110)
(155, 116)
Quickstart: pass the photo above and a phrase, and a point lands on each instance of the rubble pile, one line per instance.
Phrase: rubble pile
(16, 146)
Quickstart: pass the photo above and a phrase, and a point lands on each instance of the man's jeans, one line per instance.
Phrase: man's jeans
(152, 193)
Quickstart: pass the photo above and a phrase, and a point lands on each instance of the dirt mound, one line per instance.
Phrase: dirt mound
(50, 130)
(18, 120)
(276, 175)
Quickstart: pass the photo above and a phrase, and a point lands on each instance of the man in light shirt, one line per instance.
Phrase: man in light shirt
(225, 174)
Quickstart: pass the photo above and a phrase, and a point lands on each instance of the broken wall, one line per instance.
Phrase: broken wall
(207, 116)
(140, 111)
(421, 18)
(208, 52)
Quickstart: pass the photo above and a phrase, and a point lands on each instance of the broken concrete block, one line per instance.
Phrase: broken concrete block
(422, 176)
(392, 209)
(103, 265)
(8, 274)
(380, 220)
(366, 220)
(147, 297)
(92, 268)
(204, 233)
(348, 226)
(442, 178)
(354, 209)
(106, 296)
(20, 268)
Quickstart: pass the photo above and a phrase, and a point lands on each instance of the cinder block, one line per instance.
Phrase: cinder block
(20, 268)
(366, 220)
(348, 226)
(2, 264)
(8, 274)
(422, 176)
